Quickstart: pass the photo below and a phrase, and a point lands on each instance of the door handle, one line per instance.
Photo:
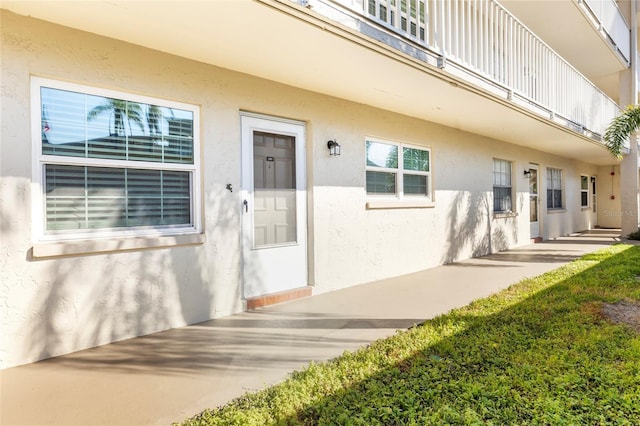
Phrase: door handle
(246, 206)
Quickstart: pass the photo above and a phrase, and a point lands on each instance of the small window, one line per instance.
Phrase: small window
(112, 163)
(554, 188)
(502, 186)
(397, 170)
(584, 191)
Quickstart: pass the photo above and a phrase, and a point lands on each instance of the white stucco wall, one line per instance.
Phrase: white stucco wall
(59, 305)
(609, 210)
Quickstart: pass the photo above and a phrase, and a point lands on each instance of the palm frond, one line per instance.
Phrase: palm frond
(621, 128)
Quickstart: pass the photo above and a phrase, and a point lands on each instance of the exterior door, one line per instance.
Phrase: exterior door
(534, 202)
(594, 199)
(274, 201)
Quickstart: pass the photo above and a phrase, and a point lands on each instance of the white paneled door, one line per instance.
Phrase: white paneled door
(274, 215)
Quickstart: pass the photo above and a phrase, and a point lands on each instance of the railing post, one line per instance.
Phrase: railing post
(440, 26)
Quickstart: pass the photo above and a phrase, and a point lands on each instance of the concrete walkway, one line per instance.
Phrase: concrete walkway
(170, 376)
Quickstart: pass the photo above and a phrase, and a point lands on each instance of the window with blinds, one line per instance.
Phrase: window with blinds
(584, 191)
(502, 189)
(554, 188)
(397, 170)
(111, 161)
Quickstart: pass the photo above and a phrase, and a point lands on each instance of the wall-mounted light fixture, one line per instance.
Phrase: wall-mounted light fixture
(527, 173)
(334, 147)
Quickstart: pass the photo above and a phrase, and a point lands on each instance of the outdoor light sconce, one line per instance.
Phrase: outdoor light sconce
(334, 147)
(527, 173)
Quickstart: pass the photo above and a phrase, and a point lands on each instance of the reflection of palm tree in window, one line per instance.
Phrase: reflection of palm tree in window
(392, 159)
(45, 124)
(122, 112)
(154, 116)
(392, 163)
(415, 159)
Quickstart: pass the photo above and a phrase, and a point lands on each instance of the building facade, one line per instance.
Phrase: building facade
(168, 163)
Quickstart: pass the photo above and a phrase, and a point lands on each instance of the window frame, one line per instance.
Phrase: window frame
(510, 186)
(41, 160)
(585, 192)
(399, 198)
(553, 189)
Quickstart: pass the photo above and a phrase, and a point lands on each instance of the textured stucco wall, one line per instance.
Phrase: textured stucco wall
(608, 192)
(50, 307)
(55, 306)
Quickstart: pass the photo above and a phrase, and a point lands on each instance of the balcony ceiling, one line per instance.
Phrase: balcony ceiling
(258, 37)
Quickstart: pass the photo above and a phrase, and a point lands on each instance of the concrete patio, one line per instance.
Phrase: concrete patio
(170, 376)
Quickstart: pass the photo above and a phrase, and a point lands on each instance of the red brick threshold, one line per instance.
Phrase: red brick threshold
(536, 240)
(273, 298)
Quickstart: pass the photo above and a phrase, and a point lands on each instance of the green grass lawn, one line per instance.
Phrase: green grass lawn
(540, 352)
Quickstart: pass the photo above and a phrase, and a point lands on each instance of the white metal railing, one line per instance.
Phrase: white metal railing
(607, 13)
(481, 35)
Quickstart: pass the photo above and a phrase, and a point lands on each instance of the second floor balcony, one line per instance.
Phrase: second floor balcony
(592, 35)
(481, 41)
(467, 64)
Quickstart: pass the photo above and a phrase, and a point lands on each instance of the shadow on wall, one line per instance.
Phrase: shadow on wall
(252, 274)
(131, 293)
(470, 230)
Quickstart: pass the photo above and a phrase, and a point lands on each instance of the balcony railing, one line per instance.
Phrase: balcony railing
(482, 36)
(607, 15)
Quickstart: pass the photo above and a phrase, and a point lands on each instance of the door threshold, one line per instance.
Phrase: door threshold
(273, 298)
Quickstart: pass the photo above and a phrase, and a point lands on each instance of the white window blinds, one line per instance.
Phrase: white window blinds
(110, 163)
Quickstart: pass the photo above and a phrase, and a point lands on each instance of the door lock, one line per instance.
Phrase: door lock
(246, 206)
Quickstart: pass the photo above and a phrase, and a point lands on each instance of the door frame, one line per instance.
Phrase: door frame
(534, 166)
(250, 122)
